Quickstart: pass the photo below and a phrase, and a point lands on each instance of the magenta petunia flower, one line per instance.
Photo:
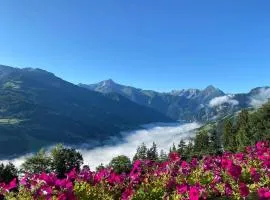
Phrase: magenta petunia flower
(264, 193)
(194, 193)
(226, 163)
(72, 174)
(127, 194)
(244, 191)
(255, 175)
(228, 189)
(235, 171)
(12, 184)
(174, 157)
(181, 189)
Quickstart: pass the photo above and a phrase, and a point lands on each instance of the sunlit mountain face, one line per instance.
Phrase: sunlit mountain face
(187, 104)
(39, 109)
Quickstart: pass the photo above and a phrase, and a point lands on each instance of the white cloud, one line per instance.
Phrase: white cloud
(260, 98)
(164, 135)
(17, 161)
(217, 101)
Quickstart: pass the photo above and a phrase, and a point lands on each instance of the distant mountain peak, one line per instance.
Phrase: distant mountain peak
(211, 88)
(108, 82)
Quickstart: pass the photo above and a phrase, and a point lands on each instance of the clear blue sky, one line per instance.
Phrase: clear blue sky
(151, 44)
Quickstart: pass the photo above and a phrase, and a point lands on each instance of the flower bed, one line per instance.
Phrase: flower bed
(229, 176)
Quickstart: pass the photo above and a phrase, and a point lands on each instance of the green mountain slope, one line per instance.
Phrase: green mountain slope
(38, 109)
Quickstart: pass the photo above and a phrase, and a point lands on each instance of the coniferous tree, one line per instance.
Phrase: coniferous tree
(141, 153)
(152, 153)
(173, 149)
(181, 147)
(189, 151)
(214, 146)
(229, 139)
(201, 143)
(243, 136)
(260, 124)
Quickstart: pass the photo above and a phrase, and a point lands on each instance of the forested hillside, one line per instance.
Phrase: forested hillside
(39, 109)
(232, 133)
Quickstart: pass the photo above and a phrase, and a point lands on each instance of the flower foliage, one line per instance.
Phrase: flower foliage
(228, 176)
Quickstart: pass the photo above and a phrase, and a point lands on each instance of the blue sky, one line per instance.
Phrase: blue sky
(152, 44)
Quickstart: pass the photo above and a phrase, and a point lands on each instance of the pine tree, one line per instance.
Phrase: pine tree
(201, 143)
(243, 136)
(141, 153)
(215, 146)
(152, 153)
(242, 120)
(173, 149)
(181, 147)
(242, 139)
(189, 151)
(229, 139)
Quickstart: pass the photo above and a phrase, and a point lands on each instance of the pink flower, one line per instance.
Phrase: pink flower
(217, 179)
(244, 191)
(261, 146)
(194, 193)
(228, 189)
(114, 178)
(72, 174)
(127, 194)
(12, 184)
(235, 171)
(24, 181)
(239, 156)
(174, 157)
(194, 162)
(49, 179)
(255, 175)
(226, 163)
(181, 189)
(264, 193)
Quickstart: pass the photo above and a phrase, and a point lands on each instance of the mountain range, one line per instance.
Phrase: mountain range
(210, 103)
(39, 109)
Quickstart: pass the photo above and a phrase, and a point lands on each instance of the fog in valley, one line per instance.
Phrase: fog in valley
(164, 135)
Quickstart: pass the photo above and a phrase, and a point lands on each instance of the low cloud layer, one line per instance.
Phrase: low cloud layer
(17, 161)
(218, 101)
(261, 98)
(164, 135)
